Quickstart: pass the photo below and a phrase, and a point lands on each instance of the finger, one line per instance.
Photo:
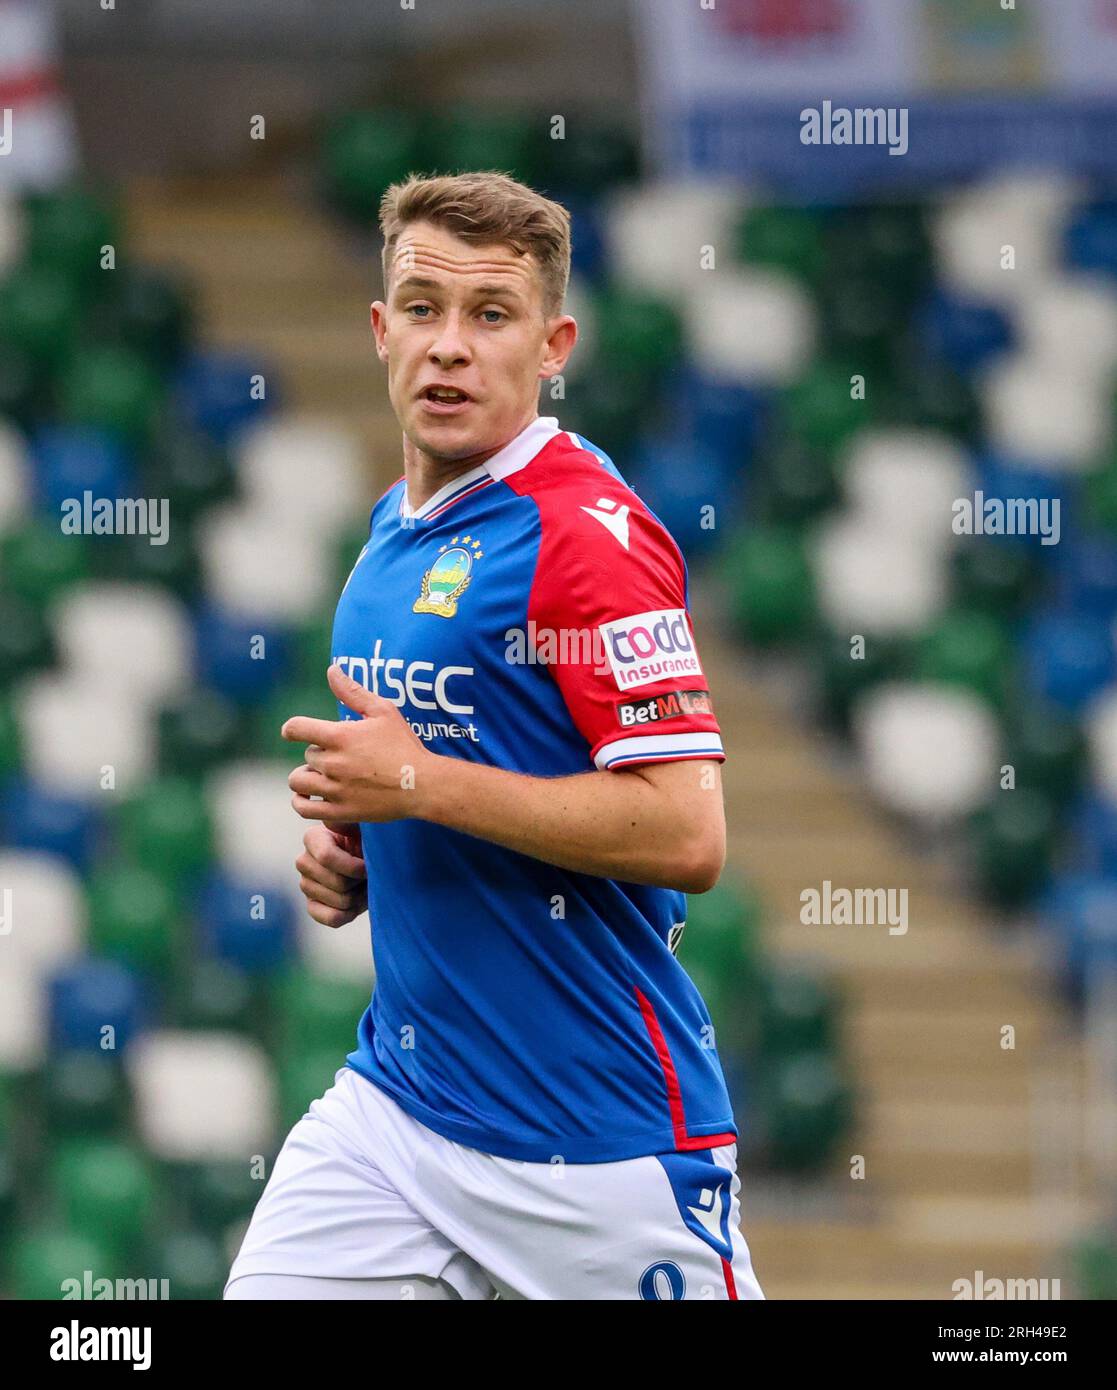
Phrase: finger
(300, 728)
(329, 916)
(310, 783)
(352, 693)
(317, 810)
(328, 897)
(320, 759)
(314, 869)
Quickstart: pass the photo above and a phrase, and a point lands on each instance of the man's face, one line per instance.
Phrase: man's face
(470, 318)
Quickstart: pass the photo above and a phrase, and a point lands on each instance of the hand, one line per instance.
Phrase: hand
(368, 769)
(332, 874)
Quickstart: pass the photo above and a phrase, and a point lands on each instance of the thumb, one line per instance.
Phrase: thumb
(350, 692)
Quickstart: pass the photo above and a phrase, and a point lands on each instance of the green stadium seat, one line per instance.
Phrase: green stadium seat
(114, 389)
(1047, 748)
(133, 915)
(969, 649)
(807, 1108)
(841, 678)
(26, 643)
(1094, 1260)
(168, 824)
(147, 311)
(313, 698)
(637, 329)
(40, 315)
(198, 733)
(321, 1012)
(67, 230)
(38, 562)
(104, 1190)
(1013, 844)
(997, 577)
(304, 1077)
(173, 566)
(820, 410)
(799, 1012)
(10, 752)
(794, 484)
(22, 386)
(785, 238)
(363, 152)
(84, 1094)
(194, 1265)
(1099, 492)
(216, 1193)
(47, 1255)
(181, 464)
(772, 592)
(211, 994)
(460, 140)
(594, 158)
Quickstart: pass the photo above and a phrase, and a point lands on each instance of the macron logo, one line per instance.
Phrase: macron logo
(708, 1215)
(612, 517)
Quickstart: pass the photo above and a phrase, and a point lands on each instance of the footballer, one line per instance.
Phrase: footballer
(522, 786)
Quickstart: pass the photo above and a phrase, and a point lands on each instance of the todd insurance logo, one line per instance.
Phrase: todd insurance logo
(650, 647)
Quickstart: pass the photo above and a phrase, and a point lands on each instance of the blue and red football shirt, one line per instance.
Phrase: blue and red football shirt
(531, 615)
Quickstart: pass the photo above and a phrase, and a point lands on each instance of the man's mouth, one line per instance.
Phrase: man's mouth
(446, 395)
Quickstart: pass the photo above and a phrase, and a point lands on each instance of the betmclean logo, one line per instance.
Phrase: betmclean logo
(1008, 516)
(77, 1343)
(863, 125)
(674, 705)
(650, 647)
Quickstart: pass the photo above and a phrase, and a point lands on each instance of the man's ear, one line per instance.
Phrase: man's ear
(378, 317)
(562, 334)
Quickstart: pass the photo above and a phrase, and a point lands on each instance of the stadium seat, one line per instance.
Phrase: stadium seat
(272, 463)
(799, 1011)
(40, 312)
(218, 393)
(807, 1107)
(754, 327)
(905, 482)
(1044, 414)
(49, 920)
(238, 656)
(248, 923)
(83, 737)
(34, 818)
(259, 568)
(257, 834)
(821, 410)
(964, 331)
(1102, 732)
(167, 824)
(788, 239)
(104, 1189)
(188, 467)
(96, 1005)
(656, 233)
(1070, 321)
(209, 994)
(23, 1018)
(320, 1011)
(194, 1265)
(147, 311)
(362, 153)
(773, 597)
(968, 649)
(84, 1093)
(37, 562)
(67, 229)
(1090, 239)
(1069, 658)
(929, 751)
(1012, 844)
(873, 581)
(1046, 747)
(113, 389)
(73, 459)
(15, 476)
(47, 1255)
(201, 1096)
(792, 483)
(130, 637)
(134, 916)
(201, 730)
(998, 575)
(1081, 912)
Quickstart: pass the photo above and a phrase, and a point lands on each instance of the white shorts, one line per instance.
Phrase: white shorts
(360, 1190)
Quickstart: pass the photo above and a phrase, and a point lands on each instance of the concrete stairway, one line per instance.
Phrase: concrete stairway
(965, 1169)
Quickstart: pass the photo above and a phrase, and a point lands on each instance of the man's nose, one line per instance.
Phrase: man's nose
(449, 344)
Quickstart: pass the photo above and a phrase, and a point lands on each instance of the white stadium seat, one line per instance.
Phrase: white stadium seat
(905, 482)
(1044, 413)
(1024, 211)
(1102, 732)
(135, 638)
(870, 581)
(655, 233)
(74, 728)
(257, 834)
(24, 1011)
(201, 1095)
(48, 917)
(262, 569)
(305, 471)
(750, 326)
(1071, 321)
(929, 751)
(15, 477)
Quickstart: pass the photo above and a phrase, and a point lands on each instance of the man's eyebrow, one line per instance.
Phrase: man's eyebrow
(422, 282)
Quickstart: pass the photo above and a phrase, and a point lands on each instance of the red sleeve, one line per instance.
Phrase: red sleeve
(608, 614)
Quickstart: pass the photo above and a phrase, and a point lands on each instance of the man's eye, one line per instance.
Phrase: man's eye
(418, 309)
(496, 313)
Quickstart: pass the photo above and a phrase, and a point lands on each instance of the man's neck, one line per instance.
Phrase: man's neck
(426, 475)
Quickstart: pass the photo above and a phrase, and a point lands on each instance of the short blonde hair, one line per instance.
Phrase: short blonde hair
(485, 208)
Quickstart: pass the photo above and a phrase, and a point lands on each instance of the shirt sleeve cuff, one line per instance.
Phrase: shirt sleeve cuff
(658, 748)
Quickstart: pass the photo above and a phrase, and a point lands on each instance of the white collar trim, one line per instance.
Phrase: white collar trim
(516, 454)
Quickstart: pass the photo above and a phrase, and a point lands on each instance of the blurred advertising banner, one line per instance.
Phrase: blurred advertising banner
(786, 88)
(37, 145)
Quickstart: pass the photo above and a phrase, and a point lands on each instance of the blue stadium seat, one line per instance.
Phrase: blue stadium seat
(223, 653)
(247, 924)
(91, 995)
(31, 817)
(215, 392)
(69, 459)
(1069, 658)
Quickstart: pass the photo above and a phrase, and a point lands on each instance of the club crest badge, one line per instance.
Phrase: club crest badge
(449, 577)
